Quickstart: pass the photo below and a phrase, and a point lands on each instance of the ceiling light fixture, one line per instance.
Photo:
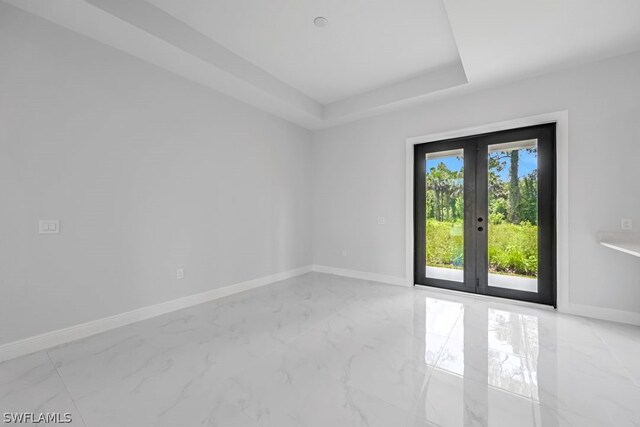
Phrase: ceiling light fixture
(320, 21)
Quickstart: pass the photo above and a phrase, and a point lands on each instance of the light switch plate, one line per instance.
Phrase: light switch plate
(49, 226)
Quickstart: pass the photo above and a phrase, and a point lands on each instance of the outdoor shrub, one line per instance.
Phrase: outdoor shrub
(513, 248)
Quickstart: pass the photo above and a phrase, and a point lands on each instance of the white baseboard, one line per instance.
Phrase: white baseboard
(589, 311)
(355, 274)
(602, 313)
(61, 336)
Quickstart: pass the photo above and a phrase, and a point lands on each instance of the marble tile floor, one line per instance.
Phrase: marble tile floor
(322, 350)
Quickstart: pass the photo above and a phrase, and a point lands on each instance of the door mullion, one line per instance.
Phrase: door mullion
(480, 220)
(470, 191)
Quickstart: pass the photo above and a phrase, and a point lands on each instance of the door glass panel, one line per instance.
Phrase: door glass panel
(445, 215)
(512, 225)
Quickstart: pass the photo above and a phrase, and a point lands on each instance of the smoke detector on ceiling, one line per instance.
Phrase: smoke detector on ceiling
(320, 21)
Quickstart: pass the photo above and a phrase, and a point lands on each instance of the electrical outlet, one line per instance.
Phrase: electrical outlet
(626, 224)
(180, 273)
(49, 226)
(382, 220)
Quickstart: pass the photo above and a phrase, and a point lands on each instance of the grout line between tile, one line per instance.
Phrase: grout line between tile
(75, 404)
(529, 370)
(613, 353)
(432, 368)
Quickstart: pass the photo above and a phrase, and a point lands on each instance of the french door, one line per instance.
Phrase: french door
(484, 214)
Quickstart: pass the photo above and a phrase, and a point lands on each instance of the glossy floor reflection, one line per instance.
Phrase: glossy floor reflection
(322, 350)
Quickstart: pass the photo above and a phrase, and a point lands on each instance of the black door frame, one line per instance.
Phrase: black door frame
(468, 145)
(475, 200)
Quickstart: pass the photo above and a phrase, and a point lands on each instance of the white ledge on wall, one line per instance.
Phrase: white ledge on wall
(628, 242)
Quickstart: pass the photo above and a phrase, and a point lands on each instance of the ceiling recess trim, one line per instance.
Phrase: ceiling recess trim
(143, 30)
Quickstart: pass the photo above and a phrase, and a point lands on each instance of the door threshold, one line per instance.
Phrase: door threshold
(487, 297)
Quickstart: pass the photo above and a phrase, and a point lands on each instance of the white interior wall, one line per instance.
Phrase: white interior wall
(359, 174)
(147, 173)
